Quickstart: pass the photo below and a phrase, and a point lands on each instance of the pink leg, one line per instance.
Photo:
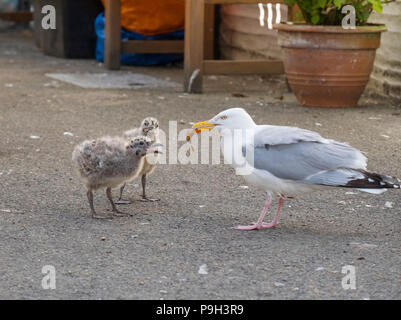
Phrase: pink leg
(263, 225)
(275, 220)
(258, 224)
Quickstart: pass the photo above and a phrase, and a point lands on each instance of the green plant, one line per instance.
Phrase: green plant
(328, 12)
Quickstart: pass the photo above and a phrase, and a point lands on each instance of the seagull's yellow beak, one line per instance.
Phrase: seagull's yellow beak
(203, 125)
(199, 127)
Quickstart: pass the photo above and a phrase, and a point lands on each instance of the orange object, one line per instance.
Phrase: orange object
(151, 17)
(328, 66)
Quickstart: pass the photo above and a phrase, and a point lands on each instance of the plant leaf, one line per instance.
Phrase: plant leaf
(315, 18)
(376, 5)
(322, 3)
(339, 3)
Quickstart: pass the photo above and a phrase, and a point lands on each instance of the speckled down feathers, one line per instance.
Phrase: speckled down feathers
(108, 161)
(150, 128)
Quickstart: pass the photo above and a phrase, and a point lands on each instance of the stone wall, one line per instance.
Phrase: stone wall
(242, 37)
(385, 80)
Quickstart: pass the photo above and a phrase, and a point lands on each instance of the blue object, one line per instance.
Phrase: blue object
(138, 59)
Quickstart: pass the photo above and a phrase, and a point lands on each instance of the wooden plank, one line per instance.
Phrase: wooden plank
(193, 49)
(112, 43)
(152, 46)
(293, 12)
(290, 13)
(209, 32)
(243, 67)
(242, 1)
(19, 16)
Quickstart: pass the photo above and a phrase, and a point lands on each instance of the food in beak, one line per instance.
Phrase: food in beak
(190, 133)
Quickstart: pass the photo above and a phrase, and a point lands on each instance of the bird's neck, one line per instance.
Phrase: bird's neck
(232, 142)
(134, 162)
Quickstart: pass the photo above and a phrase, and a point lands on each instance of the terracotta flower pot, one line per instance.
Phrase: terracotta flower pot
(328, 66)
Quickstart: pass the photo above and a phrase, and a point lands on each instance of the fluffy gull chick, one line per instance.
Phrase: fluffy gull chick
(149, 128)
(108, 163)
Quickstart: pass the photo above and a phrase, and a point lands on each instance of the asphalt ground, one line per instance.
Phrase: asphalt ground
(158, 253)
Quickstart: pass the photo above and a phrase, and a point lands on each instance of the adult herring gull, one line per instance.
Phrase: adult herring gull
(290, 161)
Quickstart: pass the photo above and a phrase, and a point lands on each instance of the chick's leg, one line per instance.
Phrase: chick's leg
(117, 212)
(120, 199)
(144, 197)
(94, 214)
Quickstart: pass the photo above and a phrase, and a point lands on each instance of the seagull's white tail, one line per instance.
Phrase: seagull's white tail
(373, 191)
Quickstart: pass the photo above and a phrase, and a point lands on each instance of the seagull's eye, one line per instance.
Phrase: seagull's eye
(223, 117)
(146, 123)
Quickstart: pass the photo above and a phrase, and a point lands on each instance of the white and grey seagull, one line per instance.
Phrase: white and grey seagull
(289, 161)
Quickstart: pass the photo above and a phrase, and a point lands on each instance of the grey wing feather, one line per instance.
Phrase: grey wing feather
(276, 135)
(337, 177)
(304, 156)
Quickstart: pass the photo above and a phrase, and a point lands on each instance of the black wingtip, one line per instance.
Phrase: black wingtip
(373, 180)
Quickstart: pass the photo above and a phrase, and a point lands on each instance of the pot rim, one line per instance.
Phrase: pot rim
(303, 27)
